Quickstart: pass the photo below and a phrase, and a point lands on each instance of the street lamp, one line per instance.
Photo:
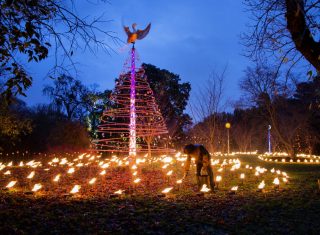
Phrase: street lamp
(269, 138)
(228, 126)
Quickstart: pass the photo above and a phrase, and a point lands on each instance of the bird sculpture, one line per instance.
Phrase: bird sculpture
(136, 34)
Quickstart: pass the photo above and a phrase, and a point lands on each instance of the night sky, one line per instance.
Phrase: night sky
(190, 38)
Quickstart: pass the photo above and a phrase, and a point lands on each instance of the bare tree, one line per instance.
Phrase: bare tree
(285, 30)
(31, 29)
(287, 118)
(206, 109)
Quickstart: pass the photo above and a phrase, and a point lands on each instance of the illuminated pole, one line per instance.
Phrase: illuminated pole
(228, 125)
(132, 141)
(269, 138)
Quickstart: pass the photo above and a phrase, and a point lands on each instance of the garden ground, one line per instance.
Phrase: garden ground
(293, 209)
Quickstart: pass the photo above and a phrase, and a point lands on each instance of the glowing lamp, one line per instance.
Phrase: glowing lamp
(228, 125)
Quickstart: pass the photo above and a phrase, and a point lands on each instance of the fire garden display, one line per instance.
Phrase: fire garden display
(134, 123)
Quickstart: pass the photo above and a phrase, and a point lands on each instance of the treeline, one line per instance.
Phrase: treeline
(69, 122)
(291, 109)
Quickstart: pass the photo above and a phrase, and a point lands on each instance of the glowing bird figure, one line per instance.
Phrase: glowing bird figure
(136, 34)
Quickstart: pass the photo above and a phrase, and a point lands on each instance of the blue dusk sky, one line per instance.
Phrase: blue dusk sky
(191, 38)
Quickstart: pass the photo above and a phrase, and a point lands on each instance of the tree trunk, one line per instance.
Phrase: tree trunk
(300, 32)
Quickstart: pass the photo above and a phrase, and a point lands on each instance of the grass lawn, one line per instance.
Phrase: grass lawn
(293, 209)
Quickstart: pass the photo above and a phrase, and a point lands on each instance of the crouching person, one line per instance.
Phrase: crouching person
(204, 172)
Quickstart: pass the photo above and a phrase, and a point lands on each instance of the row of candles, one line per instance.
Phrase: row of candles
(279, 157)
(94, 160)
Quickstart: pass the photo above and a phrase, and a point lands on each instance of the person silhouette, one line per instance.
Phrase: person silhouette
(204, 173)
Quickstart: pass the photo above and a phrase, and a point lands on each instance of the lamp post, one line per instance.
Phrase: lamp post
(269, 139)
(228, 126)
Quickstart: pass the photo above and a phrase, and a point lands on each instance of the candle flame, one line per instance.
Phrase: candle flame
(276, 181)
(75, 189)
(92, 181)
(11, 184)
(205, 188)
(137, 180)
(30, 176)
(218, 178)
(167, 190)
(57, 178)
(36, 187)
(118, 192)
(234, 188)
(261, 185)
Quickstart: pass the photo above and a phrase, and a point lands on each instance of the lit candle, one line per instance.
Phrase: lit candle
(75, 189)
(92, 181)
(204, 188)
(167, 190)
(11, 184)
(30, 176)
(36, 187)
(56, 178)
